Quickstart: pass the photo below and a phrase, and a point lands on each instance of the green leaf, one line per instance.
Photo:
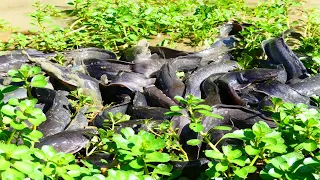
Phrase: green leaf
(204, 107)
(209, 114)
(4, 164)
(25, 167)
(176, 108)
(17, 79)
(181, 100)
(14, 73)
(269, 141)
(38, 153)
(136, 164)
(49, 151)
(237, 134)
(35, 135)
(194, 142)
(9, 88)
(222, 166)
(223, 128)
(13, 101)
(8, 110)
(234, 154)
(120, 141)
(20, 152)
(18, 125)
(34, 70)
(172, 113)
(38, 81)
(261, 128)
(12, 174)
(251, 150)
(214, 154)
(127, 132)
(309, 145)
(243, 172)
(163, 169)
(157, 157)
(196, 127)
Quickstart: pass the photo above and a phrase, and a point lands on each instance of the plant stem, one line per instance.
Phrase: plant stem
(254, 160)
(146, 171)
(208, 141)
(11, 136)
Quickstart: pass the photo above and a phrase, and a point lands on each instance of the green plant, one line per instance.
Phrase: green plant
(19, 162)
(18, 135)
(29, 76)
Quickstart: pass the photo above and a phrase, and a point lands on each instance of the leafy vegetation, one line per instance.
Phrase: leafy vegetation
(116, 25)
(289, 151)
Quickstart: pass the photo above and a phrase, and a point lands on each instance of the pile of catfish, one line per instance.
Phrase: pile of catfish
(144, 82)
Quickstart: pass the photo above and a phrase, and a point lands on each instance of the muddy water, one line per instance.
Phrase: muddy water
(16, 13)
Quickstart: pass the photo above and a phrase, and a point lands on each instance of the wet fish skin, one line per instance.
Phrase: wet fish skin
(58, 116)
(158, 98)
(282, 75)
(167, 53)
(196, 78)
(168, 81)
(121, 107)
(96, 67)
(72, 79)
(68, 141)
(131, 80)
(237, 79)
(139, 100)
(309, 86)
(285, 92)
(150, 67)
(13, 61)
(210, 90)
(191, 169)
(217, 51)
(232, 81)
(80, 121)
(77, 56)
(233, 116)
(279, 52)
(147, 112)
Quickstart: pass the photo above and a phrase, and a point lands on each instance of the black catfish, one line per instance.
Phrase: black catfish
(279, 53)
(77, 56)
(121, 107)
(309, 86)
(196, 78)
(274, 88)
(132, 81)
(80, 121)
(68, 141)
(97, 67)
(167, 79)
(237, 117)
(58, 116)
(167, 53)
(232, 81)
(157, 98)
(71, 79)
(217, 52)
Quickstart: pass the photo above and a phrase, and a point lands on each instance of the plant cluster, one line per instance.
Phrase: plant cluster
(116, 25)
(20, 118)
